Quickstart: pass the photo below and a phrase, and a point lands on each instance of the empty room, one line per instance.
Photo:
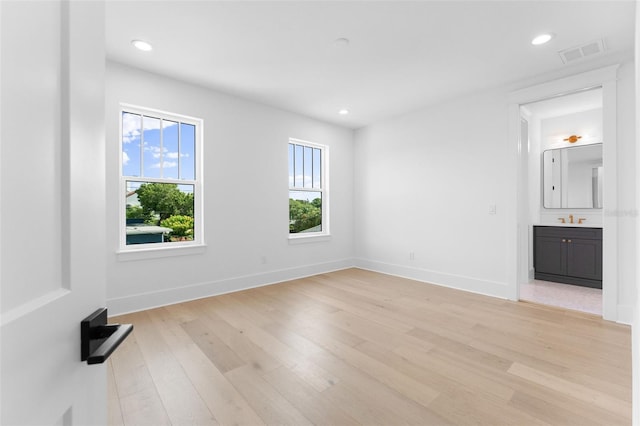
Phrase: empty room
(319, 212)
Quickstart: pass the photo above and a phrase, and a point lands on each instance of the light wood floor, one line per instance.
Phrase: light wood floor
(357, 347)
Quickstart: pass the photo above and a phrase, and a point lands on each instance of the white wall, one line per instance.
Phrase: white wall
(627, 184)
(425, 181)
(424, 185)
(587, 124)
(535, 169)
(245, 196)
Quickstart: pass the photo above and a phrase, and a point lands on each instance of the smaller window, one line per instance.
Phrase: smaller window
(308, 195)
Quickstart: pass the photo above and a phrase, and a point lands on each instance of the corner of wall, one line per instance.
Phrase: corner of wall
(457, 282)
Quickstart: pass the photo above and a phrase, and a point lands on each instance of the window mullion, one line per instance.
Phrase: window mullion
(294, 166)
(179, 149)
(141, 145)
(161, 147)
(160, 180)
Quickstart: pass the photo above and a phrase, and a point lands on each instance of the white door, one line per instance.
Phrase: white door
(52, 216)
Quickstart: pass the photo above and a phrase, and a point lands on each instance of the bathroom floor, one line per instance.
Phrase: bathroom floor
(568, 296)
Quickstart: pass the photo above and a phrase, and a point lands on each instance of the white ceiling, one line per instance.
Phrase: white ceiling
(401, 55)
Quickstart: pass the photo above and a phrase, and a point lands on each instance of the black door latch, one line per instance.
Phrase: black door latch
(99, 339)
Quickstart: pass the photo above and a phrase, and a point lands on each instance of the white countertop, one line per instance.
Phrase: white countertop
(570, 225)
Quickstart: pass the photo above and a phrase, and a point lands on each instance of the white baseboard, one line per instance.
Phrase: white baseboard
(459, 282)
(143, 301)
(625, 314)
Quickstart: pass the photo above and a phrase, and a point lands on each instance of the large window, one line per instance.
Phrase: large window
(308, 195)
(160, 179)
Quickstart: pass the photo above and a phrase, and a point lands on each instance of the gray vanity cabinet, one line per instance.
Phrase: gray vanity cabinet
(568, 255)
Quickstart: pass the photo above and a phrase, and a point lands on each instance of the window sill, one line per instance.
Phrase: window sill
(159, 252)
(304, 239)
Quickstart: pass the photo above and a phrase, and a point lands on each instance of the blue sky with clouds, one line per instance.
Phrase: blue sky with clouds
(157, 148)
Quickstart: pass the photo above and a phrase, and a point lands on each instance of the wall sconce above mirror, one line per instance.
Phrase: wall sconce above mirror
(572, 177)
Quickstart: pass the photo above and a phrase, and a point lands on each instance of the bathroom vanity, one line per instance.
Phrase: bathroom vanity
(568, 254)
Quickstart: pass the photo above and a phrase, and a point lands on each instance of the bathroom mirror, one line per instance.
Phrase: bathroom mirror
(572, 177)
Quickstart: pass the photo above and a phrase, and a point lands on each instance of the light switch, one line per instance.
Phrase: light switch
(492, 209)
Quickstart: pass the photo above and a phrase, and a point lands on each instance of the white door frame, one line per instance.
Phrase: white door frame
(518, 216)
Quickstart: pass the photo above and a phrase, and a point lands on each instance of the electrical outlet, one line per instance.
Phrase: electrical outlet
(263, 259)
(412, 255)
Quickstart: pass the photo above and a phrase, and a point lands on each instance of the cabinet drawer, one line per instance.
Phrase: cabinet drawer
(568, 232)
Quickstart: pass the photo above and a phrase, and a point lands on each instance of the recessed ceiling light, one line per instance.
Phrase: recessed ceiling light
(342, 42)
(542, 39)
(343, 111)
(142, 45)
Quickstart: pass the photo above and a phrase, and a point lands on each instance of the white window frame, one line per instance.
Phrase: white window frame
(141, 251)
(324, 190)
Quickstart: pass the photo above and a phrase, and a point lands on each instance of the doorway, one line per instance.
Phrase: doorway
(563, 138)
(519, 215)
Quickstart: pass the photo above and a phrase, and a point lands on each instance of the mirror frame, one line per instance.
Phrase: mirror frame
(544, 167)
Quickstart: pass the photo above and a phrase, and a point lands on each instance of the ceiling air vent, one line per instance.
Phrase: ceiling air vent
(583, 51)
